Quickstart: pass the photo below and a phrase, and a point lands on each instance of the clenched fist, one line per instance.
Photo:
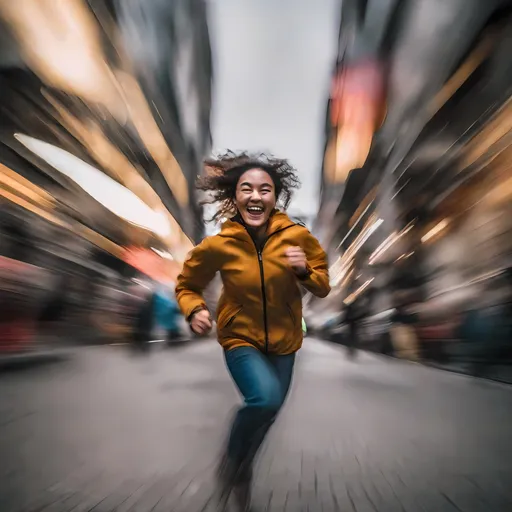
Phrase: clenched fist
(297, 260)
(201, 323)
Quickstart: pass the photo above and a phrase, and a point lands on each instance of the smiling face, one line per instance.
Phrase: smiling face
(255, 197)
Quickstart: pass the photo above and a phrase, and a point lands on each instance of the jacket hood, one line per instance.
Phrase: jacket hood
(234, 227)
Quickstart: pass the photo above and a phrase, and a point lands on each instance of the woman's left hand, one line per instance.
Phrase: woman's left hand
(297, 260)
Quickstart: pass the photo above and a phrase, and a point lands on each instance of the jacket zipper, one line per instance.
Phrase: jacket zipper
(264, 297)
(262, 277)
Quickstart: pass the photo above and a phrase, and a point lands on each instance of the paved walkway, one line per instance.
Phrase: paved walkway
(106, 431)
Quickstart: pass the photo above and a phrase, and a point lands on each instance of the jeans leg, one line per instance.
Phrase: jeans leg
(283, 367)
(263, 381)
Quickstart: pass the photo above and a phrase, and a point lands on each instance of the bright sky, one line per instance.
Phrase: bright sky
(273, 60)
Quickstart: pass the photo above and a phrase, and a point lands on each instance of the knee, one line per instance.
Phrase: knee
(272, 404)
(269, 402)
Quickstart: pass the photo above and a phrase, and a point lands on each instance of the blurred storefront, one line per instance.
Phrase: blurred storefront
(420, 221)
(102, 137)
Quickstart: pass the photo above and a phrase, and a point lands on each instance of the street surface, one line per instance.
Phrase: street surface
(109, 431)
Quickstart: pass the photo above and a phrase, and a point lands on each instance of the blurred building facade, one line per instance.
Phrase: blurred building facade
(415, 205)
(143, 119)
(169, 45)
(117, 90)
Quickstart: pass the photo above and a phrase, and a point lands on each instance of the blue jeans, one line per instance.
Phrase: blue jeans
(264, 381)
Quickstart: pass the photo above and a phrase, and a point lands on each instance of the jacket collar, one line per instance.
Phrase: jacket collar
(234, 227)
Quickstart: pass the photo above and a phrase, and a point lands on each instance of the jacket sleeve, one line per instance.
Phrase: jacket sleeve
(198, 270)
(316, 280)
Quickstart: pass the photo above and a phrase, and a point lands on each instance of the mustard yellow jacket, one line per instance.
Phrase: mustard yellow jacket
(261, 301)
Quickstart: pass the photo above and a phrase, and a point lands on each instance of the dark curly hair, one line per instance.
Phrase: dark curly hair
(224, 171)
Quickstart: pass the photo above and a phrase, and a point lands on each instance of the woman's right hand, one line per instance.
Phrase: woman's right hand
(201, 323)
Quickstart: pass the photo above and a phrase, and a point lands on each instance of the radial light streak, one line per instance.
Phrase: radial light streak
(108, 192)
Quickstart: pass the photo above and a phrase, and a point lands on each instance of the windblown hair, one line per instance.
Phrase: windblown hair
(224, 171)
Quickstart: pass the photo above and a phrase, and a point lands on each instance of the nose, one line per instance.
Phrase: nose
(255, 196)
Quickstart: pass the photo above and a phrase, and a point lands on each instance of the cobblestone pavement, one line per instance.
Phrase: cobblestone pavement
(107, 431)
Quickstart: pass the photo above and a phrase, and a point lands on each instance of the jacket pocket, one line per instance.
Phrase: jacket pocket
(231, 319)
(291, 314)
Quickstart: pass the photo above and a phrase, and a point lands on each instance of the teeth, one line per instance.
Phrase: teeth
(255, 209)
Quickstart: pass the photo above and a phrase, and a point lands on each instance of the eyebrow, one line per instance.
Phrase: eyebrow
(247, 184)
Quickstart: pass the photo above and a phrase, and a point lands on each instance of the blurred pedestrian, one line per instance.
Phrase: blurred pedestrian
(262, 257)
(56, 307)
(352, 317)
(140, 312)
(355, 312)
(403, 332)
(167, 312)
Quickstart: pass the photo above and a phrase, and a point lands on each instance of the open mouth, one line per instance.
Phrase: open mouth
(255, 211)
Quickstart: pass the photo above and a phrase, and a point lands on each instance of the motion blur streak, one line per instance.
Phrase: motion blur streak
(103, 189)
(401, 130)
(12, 180)
(92, 192)
(61, 42)
(440, 165)
(152, 137)
(62, 45)
(118, 166)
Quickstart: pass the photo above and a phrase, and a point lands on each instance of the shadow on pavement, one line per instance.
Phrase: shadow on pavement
(20, 362)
